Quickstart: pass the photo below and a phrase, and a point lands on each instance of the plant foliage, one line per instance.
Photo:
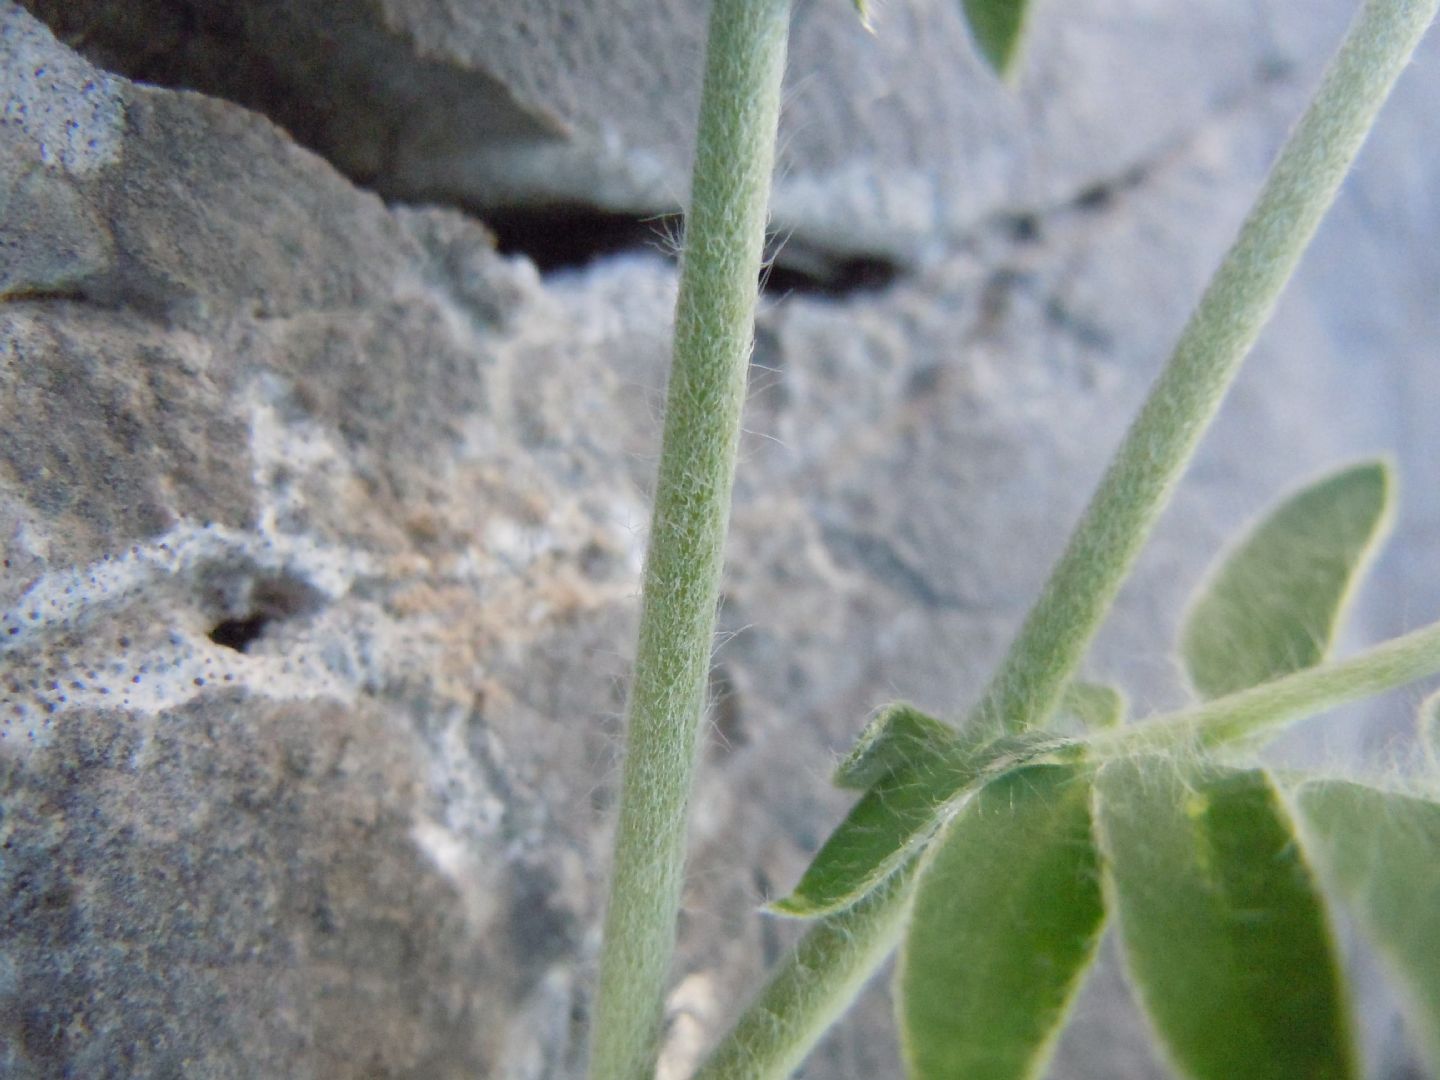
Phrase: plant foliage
(998, 26)
(1000, 850)
(1006, 921)
(1273, 605)
(1223, 922)
(1381, 851)
(1222, 926)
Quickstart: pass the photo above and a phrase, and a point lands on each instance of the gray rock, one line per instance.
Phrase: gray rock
(894, 143)
(323, 522)
(258, 818)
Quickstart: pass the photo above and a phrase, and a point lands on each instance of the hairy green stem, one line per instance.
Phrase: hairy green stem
(714, 328)
(1137, 485)
(815, 985)
(1267, 708)
(1236, 305)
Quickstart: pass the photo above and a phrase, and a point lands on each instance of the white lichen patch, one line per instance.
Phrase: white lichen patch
(131, 630)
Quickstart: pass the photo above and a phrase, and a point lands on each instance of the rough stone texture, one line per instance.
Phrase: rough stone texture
(892, 142)
(322, 522)
(252, 403)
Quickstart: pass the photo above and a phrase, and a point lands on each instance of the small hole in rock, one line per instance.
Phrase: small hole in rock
(239, 634)
(245, 603)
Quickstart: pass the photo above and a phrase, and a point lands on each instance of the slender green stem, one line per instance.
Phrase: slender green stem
(1135, 489)
(714, 327)
(814, 986)
(1265, 709)
(1212, 346)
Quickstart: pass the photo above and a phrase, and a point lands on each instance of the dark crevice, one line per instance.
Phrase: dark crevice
(24, 295)
(559, 239)
(836, 276)
(795, 266)
(352, 96)
(331, 75)
(356, 104)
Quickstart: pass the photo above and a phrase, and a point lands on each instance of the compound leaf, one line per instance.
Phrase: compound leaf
(997, 26)
(1006, 920)
(1224, 933)
(1381, 852)
(1274, 603)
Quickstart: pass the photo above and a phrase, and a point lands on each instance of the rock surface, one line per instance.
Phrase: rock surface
(892, 143)
(322, 521)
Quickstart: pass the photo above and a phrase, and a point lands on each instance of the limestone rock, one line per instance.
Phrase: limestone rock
(892, 142)
(287, 525)
(322, 521)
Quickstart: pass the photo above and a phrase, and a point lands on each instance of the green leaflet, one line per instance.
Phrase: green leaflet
(1006, 920)
(1095, 705)
(1381, 852)
(1225, 937)
(997, 26)
(885, 826)
(900, 735)
(1273, 604)
(900, 813)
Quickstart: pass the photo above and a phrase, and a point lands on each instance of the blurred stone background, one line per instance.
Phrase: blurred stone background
(331, 348)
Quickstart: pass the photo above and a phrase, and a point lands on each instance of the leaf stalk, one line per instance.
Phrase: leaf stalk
(1250, 715)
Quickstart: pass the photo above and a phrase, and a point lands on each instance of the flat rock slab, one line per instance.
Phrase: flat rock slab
(893, 142)
(322, 530)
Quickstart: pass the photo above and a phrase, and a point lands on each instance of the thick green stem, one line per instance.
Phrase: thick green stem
(1265, 709)
(714, 327)
(1212, 346)
(1135, 489)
